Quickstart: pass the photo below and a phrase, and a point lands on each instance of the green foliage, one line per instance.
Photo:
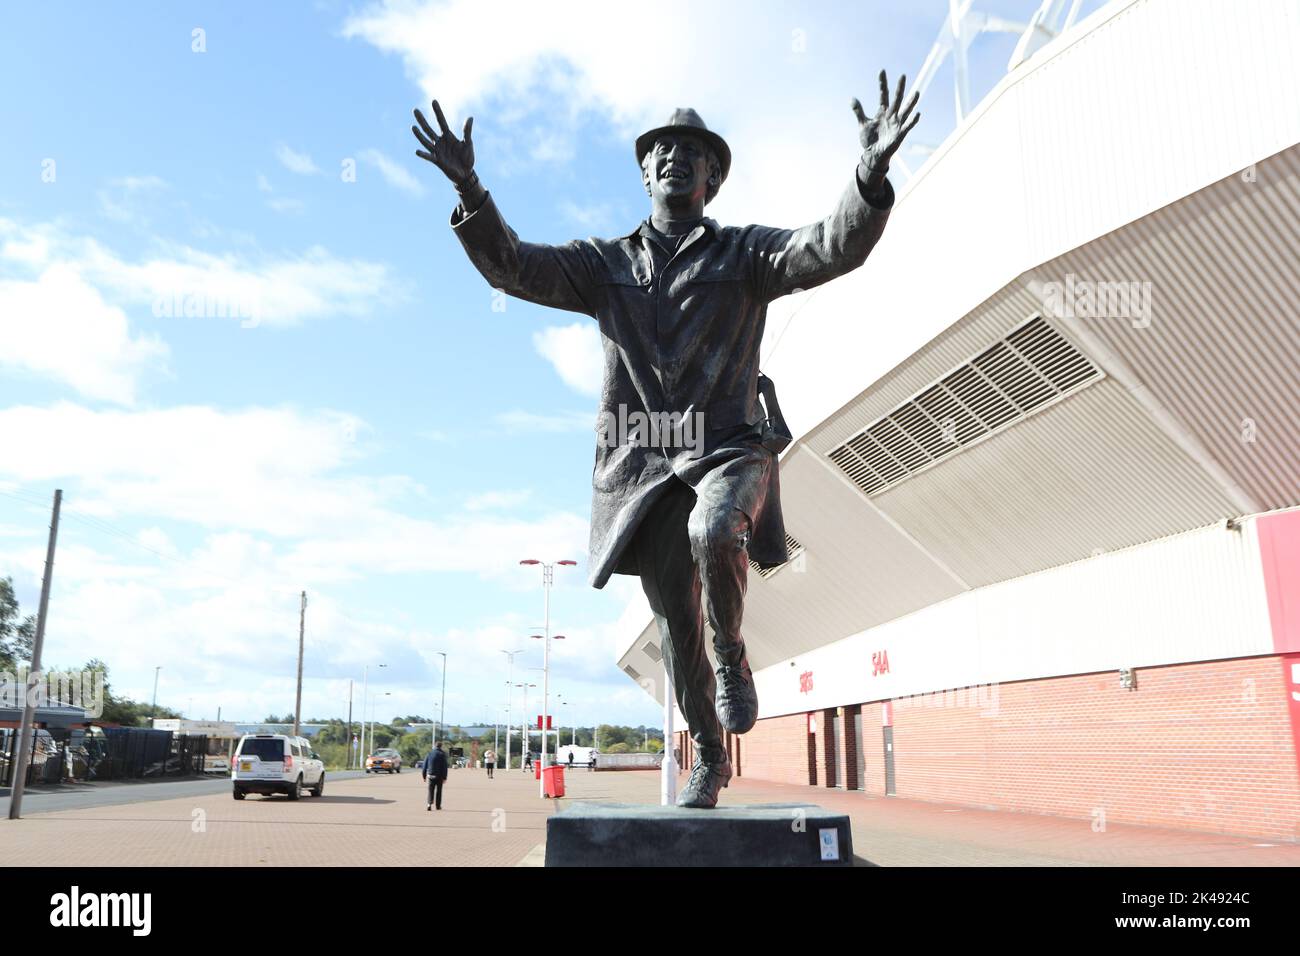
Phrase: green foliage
(618, 748)
(16, 632)
(123, 710)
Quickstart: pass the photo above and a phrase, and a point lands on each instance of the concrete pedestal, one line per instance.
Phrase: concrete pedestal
(769, 834)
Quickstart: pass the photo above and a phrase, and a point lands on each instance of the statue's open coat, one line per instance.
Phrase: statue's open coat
(683, 338)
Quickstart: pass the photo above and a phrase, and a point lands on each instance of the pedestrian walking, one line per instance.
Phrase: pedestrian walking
(434, 772)
(592, 764)
(570, 759)
(490, 761)
(528, 761)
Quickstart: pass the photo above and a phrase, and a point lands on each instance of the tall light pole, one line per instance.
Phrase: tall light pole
(438, 727)
(365, 681)
(510, 679)
(153, 708)
(523, 724)
(548, 577)
(546, 673)
(373, 701)
(510, 693)
(25, 745)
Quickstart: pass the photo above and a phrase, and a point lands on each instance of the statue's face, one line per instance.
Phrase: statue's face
(677, 169)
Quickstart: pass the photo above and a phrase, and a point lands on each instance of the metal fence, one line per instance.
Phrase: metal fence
(116, 753)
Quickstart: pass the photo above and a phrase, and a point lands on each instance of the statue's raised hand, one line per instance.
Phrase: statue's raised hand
(882, 134)
(455, 157)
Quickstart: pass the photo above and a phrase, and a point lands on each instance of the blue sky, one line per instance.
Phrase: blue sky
(371, 427)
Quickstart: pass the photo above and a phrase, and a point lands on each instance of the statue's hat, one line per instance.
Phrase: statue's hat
(686, 120)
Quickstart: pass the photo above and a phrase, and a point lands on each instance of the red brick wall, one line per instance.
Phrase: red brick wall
(825, 747)
(777, 749)
(847, 755)
(1204, 746)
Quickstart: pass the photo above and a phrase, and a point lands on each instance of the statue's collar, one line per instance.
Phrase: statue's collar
(648, 231)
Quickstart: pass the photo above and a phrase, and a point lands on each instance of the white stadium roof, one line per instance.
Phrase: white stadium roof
(1153, 143)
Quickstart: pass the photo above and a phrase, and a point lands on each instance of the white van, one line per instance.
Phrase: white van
(275, 763)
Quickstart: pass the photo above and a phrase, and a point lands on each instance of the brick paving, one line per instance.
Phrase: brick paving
(502, 822)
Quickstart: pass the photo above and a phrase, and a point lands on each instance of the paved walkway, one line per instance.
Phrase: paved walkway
(502, 822)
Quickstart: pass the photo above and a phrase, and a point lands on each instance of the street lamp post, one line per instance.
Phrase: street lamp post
(361, 757)
(523, 723)
(441, 706)
(153, 710)
(373, 701)
(510, 679)
(548, 576)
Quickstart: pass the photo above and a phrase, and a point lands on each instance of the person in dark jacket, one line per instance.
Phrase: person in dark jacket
(434, 771)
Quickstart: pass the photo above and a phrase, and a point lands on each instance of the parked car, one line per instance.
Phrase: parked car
(276, 763)
(384, 759)
(216, 763)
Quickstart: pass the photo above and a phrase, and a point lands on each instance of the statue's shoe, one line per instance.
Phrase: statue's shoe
(737, 698)
(701, 790)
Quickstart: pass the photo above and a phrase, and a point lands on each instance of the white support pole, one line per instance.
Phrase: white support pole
(546, 672)
(668, 773)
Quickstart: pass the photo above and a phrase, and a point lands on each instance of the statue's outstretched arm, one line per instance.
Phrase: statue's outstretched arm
(562, 277)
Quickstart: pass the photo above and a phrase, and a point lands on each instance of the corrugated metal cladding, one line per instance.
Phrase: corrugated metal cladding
(1217, 352)
(1105, 125)
(858, 569)
(1091, 473)
(1014, 377)
(1222, 350)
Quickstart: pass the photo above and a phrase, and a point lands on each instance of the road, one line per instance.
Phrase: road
(75, 796)
(502, 822)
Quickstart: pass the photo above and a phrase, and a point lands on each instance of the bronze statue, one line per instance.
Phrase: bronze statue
(685, 486)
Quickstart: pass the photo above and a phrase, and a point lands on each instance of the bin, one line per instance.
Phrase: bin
(554, 785)
(537, 770)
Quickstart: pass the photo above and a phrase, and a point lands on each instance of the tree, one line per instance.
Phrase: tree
(618, 748)
(17, 633)
(124, 710)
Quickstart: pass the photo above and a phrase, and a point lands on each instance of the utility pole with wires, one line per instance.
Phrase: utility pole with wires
(302, 626)
(349, 733)
(25, 727)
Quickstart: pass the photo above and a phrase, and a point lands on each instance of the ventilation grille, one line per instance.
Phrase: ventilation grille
(1031, 367)
(632, 672)
(652, 651)
(792, 547)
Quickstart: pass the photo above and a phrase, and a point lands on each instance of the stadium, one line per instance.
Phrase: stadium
(1046, 557)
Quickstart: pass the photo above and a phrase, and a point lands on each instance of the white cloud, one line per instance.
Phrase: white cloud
(594, 217)
(286, 204)
(60, 327)
(181, 282)
(575, 352)
(395, 174)
(267, 472)
(518, 420)
(135, 183)
(295, 161)
(121, 200)
(263, 184)
(498, 500)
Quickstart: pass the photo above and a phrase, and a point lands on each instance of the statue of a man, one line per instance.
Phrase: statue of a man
(685, 485)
